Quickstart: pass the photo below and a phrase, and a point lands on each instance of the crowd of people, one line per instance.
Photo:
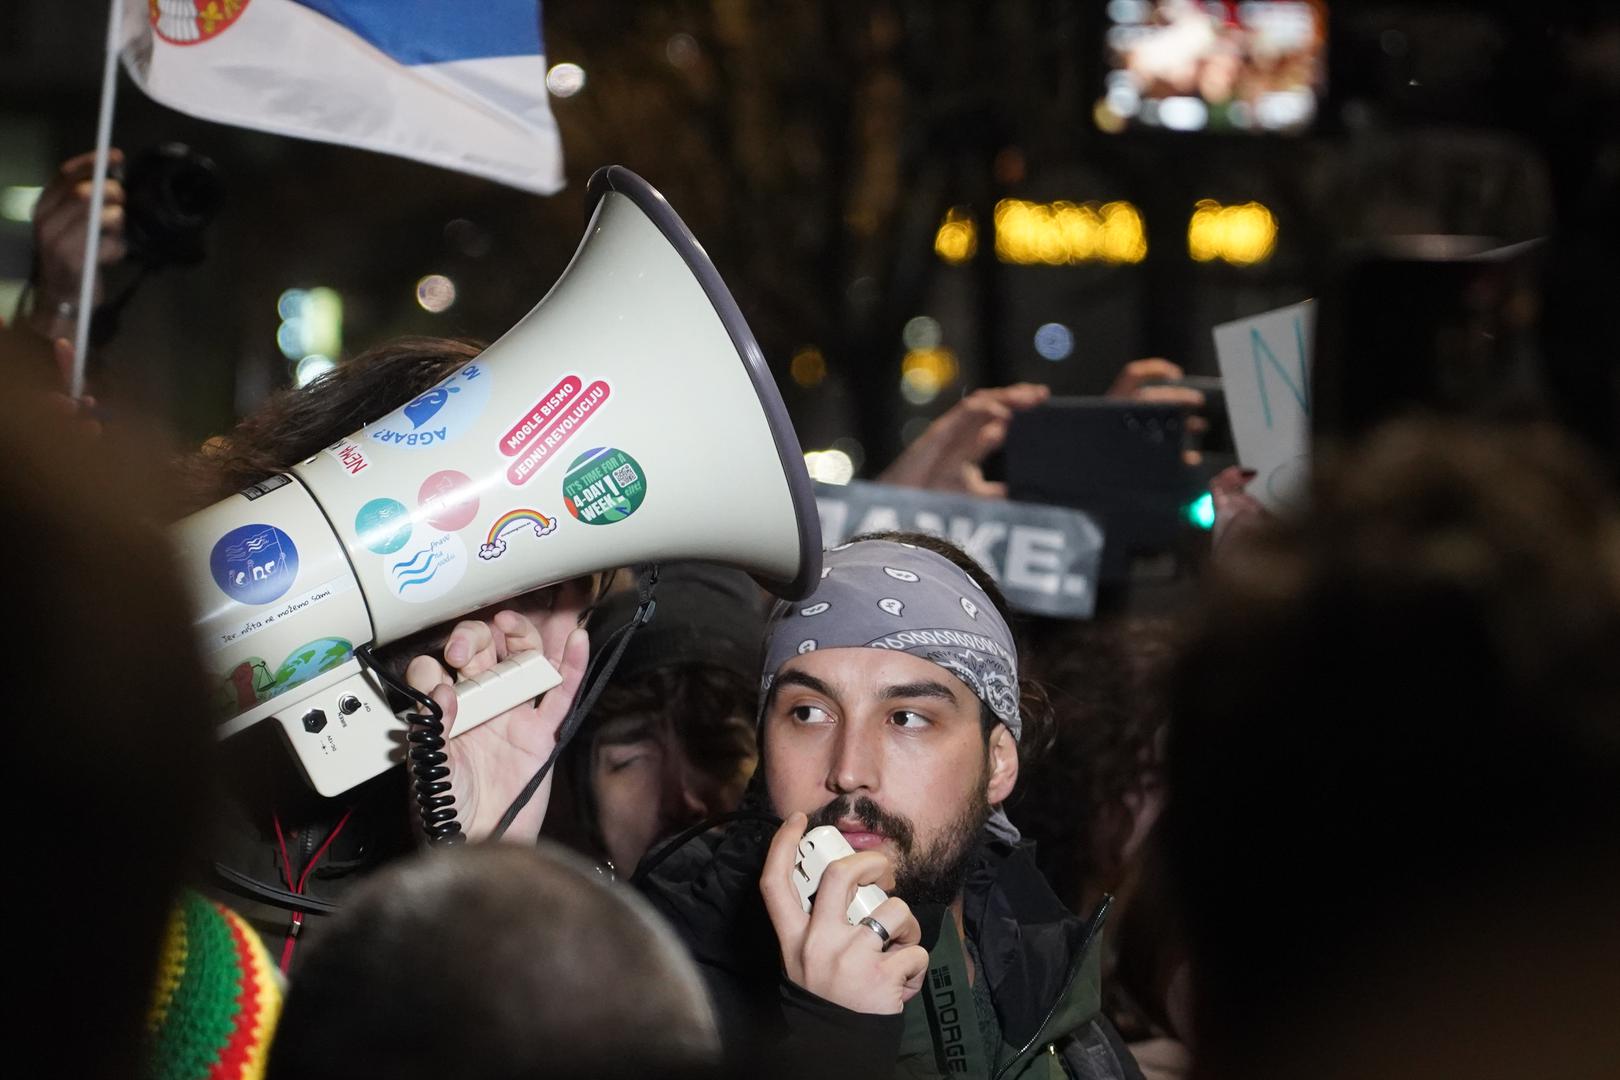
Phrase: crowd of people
(1352, 813)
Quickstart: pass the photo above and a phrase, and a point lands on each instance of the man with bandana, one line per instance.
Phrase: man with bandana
(891, 710)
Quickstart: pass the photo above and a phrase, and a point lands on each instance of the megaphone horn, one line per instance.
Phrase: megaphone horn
(629, 418)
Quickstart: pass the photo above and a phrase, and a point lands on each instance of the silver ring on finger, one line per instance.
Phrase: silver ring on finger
(877, 928)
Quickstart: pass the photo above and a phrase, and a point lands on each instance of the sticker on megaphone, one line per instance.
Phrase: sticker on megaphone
(438, 416)
(428, 569)
(604, 486)
(513, 523)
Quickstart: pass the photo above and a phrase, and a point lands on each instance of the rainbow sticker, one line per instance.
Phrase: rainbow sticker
(510, 522)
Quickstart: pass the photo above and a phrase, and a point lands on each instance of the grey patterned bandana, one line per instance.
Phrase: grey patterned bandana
(879, 594)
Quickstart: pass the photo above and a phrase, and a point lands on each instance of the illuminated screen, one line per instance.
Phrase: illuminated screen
(1183, 65)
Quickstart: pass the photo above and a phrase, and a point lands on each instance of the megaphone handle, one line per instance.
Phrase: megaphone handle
(486, 695)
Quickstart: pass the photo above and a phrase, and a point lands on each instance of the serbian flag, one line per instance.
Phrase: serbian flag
(452, 83)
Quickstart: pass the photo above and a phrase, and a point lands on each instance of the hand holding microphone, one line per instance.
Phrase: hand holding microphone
(863, 967)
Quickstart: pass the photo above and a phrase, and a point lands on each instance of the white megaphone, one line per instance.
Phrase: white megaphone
(629, 418)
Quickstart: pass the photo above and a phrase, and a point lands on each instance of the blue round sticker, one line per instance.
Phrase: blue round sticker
(254, 564)
(438, 416)
(384, 525)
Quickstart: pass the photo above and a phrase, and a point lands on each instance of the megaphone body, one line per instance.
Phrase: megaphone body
(628, 418)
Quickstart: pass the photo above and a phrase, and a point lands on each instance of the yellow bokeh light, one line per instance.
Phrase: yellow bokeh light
(918, 387)
(1106, 119)
(957, 240)
(925, 372)
(1241, 235)
(937, 363)
(809, 367)
(1064, 233)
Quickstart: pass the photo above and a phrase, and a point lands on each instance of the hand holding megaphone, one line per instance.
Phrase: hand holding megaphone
(490, 764)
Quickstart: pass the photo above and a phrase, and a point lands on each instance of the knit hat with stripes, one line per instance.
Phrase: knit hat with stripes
(217, 999)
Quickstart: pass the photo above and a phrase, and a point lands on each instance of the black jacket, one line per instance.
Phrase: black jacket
(1039, 961)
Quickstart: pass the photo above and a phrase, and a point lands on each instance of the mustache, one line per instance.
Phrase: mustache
(869, 814)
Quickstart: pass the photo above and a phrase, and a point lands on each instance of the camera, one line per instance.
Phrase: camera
(171, 194)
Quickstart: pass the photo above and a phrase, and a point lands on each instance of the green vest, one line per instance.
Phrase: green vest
(942, 1038)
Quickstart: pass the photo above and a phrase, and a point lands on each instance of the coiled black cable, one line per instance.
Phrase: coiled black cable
(426, 759)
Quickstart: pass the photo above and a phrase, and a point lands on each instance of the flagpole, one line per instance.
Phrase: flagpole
(98, 185)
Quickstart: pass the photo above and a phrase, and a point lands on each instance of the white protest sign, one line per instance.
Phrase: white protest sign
(1266, 374)
(1045, 558)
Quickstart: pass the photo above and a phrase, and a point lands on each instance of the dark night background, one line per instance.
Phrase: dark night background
(816, 148)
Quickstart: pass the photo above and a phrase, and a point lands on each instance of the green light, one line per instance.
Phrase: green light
(17, 203)
(1201, 511)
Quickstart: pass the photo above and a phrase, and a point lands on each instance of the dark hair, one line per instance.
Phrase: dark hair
(1033, 707)
(694, 700)
(1393, 716)
(496, 961)
(293, 424)
(1107, 682)
(697, 697)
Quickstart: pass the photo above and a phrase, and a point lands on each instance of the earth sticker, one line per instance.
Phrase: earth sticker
(252, 682)
(604, 486)
(309, 660)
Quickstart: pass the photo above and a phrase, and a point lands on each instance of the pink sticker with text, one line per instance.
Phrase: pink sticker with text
(538, 446)
(541, 416)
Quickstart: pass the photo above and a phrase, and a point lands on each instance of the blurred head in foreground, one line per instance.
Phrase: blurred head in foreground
(495, 962)
(111, 741)
(1395, 770)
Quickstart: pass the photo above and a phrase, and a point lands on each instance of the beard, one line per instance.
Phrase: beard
(931, 874)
